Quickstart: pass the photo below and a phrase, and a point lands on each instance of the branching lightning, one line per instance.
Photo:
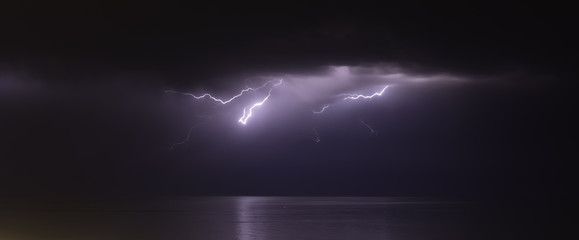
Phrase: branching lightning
(207, 95)
(304, 90)
(247, 113)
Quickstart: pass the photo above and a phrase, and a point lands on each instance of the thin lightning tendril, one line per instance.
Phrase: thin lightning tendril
(372, 131)
(188, 136)
(317, 139)
(321, 111)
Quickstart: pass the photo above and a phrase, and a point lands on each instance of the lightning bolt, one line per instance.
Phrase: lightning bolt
(321, 111)
(207, 95)
(357, 96)
(248, 113)
(372, 131)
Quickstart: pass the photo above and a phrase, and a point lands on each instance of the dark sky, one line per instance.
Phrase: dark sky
(83, 108)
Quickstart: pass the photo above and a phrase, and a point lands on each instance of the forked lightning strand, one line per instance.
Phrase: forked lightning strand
(372, 131)
(321, 111)
(220, 100)
(188, 136)
(249, 113)
(357, 96)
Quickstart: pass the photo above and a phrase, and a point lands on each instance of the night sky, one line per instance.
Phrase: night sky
(84, 107)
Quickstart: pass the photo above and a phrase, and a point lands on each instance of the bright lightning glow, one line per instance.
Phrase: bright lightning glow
(372, 131)
(220, 100)
(357, 96)
(321, 111)
(248, 114)
(319, 89)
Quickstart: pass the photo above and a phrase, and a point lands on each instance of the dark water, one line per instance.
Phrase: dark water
(245, 218)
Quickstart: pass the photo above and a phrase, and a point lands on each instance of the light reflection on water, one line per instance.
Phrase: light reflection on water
(342, 218)
(242, 218)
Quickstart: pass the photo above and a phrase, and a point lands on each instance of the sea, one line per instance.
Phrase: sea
(259, 218)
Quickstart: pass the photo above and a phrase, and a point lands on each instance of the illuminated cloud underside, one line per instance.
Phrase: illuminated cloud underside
(336, 85)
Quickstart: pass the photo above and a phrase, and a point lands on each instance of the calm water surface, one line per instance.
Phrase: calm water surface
(241, 218)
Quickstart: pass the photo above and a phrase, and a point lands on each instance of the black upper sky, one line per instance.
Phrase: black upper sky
(83, 109)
